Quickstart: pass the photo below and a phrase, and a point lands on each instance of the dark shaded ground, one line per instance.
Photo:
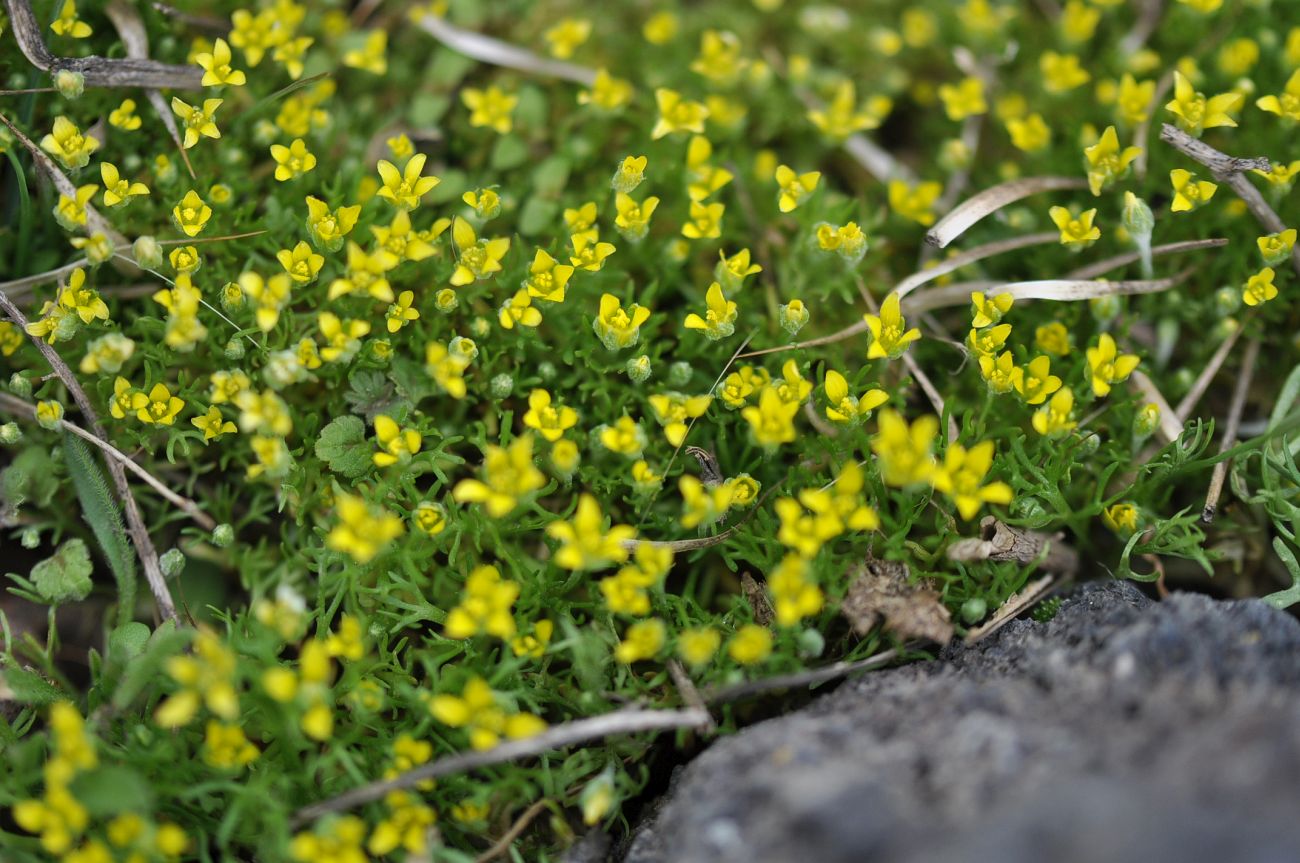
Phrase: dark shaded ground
(1121, 730)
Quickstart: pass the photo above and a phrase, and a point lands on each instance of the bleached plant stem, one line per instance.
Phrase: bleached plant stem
(1061, 290)
(979, 253)
(1230, 429)
(992, 199)
(485, 49)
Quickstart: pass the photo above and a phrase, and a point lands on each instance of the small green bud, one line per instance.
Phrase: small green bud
(223, 535)
(638, 369)
(232, 297)
(172, 562)
(546, 370)
(811, 643)
(1225, 327)
(502, 386)
(1104, 309)
(480, 328)
(1089, 444)
(464, 348)
(1145, 421)
(49, 414)
(69, 84)
(30, 537)
(1137, 218)
(20, 386)
(680, 373)
(794, 315)
(974, 609)
(147, 252)
(1028, 506)
(1227, 301)
(10, 433)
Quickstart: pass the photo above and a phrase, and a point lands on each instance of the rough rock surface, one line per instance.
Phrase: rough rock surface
(1121, 730)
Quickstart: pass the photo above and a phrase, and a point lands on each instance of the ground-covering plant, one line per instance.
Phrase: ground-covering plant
(396, 385)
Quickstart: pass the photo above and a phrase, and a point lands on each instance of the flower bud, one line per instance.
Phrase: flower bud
(147, 252)
(974, 609)
(10, 433)
(172, 562)
(546, 370)
(680, 373)
(20, 386)
(49, 414)
(446, 300)
(1104, 308)
(1145, 421)
(812, 643)
(1137, 218)
(70, 84)
(223, 535)
(501, 386)
(565, 456)
(232, 297)
(30, 537)
(638, 369)
(793, 316)
(464, 348)
(235, 348)
(1227, 301)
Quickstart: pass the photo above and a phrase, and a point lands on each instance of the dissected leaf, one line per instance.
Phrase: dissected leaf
(342, 445)
(881, 593)
(65, 575)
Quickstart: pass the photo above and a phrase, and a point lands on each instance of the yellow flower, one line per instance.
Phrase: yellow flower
(124, 117)
(1061, 72)
(225, 747)
(270, 295)
(1287, 104)
(842, 117)
(477, 711)
(1276, 248)
(301, 263)
(660, 28)
(720, 317)
(106, 354)
(533, 645)
(744, 490)
(914, 202)
(327, 228)
(216, 66)
(206, 678)
(1133, 101)
(342, 338)
(643, 640)
(1106, 162)
(254, 34)
(71, 212)
(961, 474)
(705, 221)
(1034, 381)
(491, 107)
(585, 542)
(362, 531)
(793, 189)
(1120, 517)
(615, 327)
(845, 408)
(741, 384)
(547, 278)
(485, 606)
(403, 189)
(191, 214)
(624, 437)
(847, 240)
(794, 596)
(548, 420)
(672, 410)
(1203, 6)
(589, 253)
(118, 190)
(476, 259)
(1189, 193)
(67, 144)
(677, 114)
(630, 173)
(1029, 134)
(197, 122)
(703, 504)
(1280, 174)
(519, 310)
(446, 368)
(396, 444)
(509, 473)
(1053, 338)
(607, 92)
(159, 406)
(750, 645)
(963, 99)
(400, 313)
(633, 220)
(1053, 419)
(989, 310)
(903, 451)
(698, 646)
(68, 24)
(889, 334)
(430, 517)
(78, 297)
(703, 179)
(564, 37)
(1107, 366)
(1195, 112)
(772, 420)
(372, 56)
(486, 202)
(1259, 288)
(290, 53)
(213, 424)
(1076, 231)
(292, 161)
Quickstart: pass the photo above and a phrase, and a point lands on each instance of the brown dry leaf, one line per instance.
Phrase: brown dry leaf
(882, 593)
(757, 599)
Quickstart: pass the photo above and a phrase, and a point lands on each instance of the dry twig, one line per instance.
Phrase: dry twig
(992, 199)
(1239, 394)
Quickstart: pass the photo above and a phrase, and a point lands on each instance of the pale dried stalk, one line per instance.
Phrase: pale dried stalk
(1202, 382)
(1170, 427)
(686, 688)
(813, 676)
(1143, 130)
(979, 253)
(1105, 265)
(135, 522)
(97, 71)
(1061, 290)
(1230, 170)
(1002, 542)
(556, 737)
(189, 507)
(502, 845)
(1147, 19)
(1238, 404)
(485, 49)
(1014, 605)
(130, 28)
(982, 204)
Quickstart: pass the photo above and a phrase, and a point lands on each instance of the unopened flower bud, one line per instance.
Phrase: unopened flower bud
(69, 84)
(172, 562)
(10, 433)
(20, 386)
(638, 369)
(502, 386)
(680, 373)
(223, 535)
(30, 537)
(235, 348)
(147, 252)
(1145, 421)
(974, 609)
(49, 414)
(793, 316)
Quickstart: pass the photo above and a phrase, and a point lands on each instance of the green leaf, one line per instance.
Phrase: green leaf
(537, 215)
(65, 575)
(28, 687)
(410, 378)
(1290, 596)
(509, 152)
(128, 641)
(99, 509)
(551, 176)
(111, 789)
(165, 642)
(342, 445)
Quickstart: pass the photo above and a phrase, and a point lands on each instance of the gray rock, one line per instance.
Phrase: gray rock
(1121, 730)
